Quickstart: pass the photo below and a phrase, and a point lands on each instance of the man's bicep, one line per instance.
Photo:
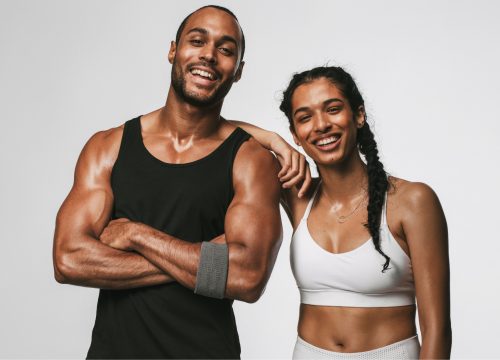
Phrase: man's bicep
(86, 211)
(82, 217)
(252, 224)
(253, 215)
(88, 206)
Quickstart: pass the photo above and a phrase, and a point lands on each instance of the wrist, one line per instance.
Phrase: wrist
(274, 141)
(136, 232)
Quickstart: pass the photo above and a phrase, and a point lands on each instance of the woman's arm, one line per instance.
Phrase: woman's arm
(426, 233)
(263, 137)
(294, 167)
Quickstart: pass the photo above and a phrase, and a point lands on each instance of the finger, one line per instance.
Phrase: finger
(221, 239)
(294, 169)
(297, 179)
(117, 222)
(103, 236)
(285, 165)
(307, 182)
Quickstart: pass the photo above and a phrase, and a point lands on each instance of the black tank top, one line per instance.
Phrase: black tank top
(188, 201)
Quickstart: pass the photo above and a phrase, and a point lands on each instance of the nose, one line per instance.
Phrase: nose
(208, 54)
(321, 123)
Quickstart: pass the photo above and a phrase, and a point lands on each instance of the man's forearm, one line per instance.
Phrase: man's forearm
(180, 259)
(176, 257)
(100, 266)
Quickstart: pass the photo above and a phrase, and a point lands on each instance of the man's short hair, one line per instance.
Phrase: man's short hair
(183, 24)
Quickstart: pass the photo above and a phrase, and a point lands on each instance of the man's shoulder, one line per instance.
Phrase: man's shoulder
(105, 140)
(253, 153)
(255, 171)
(103, 146)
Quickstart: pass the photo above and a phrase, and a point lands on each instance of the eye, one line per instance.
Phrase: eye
(303, 118)
(333, 110)
(196, 42)
(226, 51)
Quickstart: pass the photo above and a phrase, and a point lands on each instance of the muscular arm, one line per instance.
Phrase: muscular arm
(79, 257)
(252, 231)
(294, 175)
(425, 229)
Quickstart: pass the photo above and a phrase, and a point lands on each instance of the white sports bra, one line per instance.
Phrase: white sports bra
(353, 278)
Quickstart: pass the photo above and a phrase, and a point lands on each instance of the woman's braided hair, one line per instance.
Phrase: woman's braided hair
(377, 177)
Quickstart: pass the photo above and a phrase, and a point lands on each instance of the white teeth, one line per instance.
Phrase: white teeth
(205, 74)
(328, 140)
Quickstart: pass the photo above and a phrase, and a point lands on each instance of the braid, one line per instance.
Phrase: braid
(377, 186)
(377, 178)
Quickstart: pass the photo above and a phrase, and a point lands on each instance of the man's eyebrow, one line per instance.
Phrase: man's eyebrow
(198, 30)
(203, 31)
(229, 39)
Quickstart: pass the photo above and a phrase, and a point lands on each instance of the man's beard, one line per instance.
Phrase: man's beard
(193, 98)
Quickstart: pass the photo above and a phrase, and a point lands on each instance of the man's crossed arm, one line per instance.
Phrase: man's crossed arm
(126, 254)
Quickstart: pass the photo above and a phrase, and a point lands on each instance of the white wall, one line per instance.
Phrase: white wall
(429, 74)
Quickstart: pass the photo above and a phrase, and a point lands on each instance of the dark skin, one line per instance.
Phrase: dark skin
(414, 215)
(91, 251)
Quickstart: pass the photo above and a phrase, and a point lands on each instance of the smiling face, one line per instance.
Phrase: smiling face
(207, 59)
(324, 123)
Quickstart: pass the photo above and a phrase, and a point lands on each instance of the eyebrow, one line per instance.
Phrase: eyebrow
(205, 32)
(227, 38)
(198, 30)
(326, 102)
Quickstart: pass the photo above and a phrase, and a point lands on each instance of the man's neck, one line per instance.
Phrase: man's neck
(183, 120)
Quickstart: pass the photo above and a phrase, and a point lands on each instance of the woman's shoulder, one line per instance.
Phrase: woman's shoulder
(298, 205)
(411, 195)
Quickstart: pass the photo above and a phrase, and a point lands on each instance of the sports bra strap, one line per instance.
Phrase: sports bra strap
(384, 210)
(311, 202)
(313, 197)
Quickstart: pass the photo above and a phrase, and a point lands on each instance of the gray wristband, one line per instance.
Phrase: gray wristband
(212, 270)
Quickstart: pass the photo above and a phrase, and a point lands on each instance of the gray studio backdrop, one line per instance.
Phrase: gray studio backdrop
(429, 73)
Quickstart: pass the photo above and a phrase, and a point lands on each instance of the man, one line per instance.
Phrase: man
(172, 179)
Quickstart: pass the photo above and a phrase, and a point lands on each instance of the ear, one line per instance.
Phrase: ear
(360, 117)
(295, 139)
(237, 77)
(171, 52)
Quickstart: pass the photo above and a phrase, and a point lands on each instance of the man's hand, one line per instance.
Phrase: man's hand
(252, 231)
(119, 233)
(221, 239)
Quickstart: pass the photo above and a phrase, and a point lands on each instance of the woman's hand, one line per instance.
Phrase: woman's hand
(294, 166)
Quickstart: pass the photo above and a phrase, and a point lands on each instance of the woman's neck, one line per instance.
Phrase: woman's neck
(344, 181)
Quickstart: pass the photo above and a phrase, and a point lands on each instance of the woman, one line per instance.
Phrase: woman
(365, 245)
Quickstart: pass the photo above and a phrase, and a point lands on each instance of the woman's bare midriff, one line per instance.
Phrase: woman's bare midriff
(355, 329)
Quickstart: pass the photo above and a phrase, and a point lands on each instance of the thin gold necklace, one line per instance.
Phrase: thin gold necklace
(343, 218)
